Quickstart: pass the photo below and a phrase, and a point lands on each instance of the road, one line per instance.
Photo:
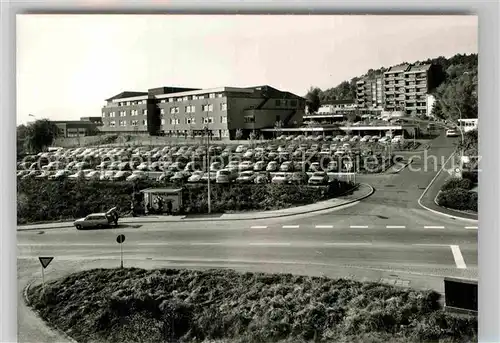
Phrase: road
(387, 237)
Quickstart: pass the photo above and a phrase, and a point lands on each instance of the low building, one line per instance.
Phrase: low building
(76, 128)
(189, 111)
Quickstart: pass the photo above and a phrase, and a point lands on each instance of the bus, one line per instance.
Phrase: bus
(467, 124)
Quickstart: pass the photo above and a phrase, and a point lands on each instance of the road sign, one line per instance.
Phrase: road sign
(120, 239)
(45, 261)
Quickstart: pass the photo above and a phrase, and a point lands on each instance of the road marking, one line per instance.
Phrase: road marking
(431, 245)
(471, 227)
(359, 226)
(205, 243)
(324, 226)
(343, 243)
(395, 227)
(258, 227)
(433, 227)
(457, 255)
(291, 226)
(270, 244)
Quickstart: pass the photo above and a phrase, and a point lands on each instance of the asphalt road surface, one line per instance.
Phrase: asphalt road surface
(386, 237)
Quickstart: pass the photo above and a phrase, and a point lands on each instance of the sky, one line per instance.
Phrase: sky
(67, 65)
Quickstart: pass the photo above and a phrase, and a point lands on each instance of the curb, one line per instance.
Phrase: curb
(37, 314)
(403, 167)
(236, 219)
(435, 211)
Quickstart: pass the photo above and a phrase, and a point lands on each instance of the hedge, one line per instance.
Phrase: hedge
(165, 305)
(457, 183)
(458, 199)
(43, 200)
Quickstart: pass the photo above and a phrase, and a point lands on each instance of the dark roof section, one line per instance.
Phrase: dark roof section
(169, 90)
(397, 68)
(127, 94)
(341, 102)
(73, 122)
(271, 92)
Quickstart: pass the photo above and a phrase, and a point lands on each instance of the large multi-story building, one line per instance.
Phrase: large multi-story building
(189, 111)
(394, 88)
(369, 93)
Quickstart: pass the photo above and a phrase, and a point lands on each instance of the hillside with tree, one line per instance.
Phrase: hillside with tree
(456, 93)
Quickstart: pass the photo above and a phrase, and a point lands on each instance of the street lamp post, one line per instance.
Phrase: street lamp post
(207, 133)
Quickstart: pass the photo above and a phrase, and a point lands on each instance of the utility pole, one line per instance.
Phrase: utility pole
(208, 167)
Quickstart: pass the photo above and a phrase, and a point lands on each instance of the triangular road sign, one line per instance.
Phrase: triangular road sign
(45, 261)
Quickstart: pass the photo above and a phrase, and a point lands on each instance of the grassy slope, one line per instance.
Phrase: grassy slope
(135, 305)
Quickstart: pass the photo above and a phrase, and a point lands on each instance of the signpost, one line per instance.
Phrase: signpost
(120, 239)
(44, 261)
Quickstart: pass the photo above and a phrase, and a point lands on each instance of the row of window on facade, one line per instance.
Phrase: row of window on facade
(216, 133)
(124, 113)
(192, 108)
(193, 97)
(173, 121)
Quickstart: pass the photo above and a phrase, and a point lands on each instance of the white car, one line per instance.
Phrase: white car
(354, 139)
(247, 165)
(225, 176)
(248, 154)
(384, 140)
(137, 175)
(121, 175)
(240, 149)
(280, 178)
(143, 166)
(272, 166)
(345, 138)
(233, 165)
(366, 138)
(77, 175)
(93, 175)
(452, 133)
(108, 175)
(215, 166)
(196, 176)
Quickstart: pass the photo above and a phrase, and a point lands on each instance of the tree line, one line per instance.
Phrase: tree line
(456, 91)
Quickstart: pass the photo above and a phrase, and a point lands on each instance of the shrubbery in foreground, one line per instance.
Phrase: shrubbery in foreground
(43, 200)
(460, 183)
(135, 305)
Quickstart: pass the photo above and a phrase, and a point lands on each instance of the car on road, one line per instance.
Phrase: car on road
(318, 178)
(452, 133)
(280, 178)
(196, 176)
(97, 220)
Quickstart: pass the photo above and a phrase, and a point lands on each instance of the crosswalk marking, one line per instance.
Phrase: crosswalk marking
(291, 226)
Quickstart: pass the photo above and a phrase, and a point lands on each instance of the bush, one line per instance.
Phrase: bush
(43, 200)
(458, 199)
(114, 305)
(455, 183)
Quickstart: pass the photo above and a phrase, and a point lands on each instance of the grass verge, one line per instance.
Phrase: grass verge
(165, 305)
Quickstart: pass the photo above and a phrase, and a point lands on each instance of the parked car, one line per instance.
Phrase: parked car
(261, 178)
(366, 138)
(233, 166)
(246, 177)
(374, 139)
(43, 175)
(354, 139)
(179, 177)
(240, 149)
(280, 178)
(212, 175)
(22, 173)
(272, 166)
(165, 176)
(286, 166)
(78, 174)
(216, 166)
(107, 175)
(245, 165)
(137, 175)
(299, 178)
(345, 138)
(248, 154)
(315, 166)
(397, 139)
(259, 166)
(192, 166)
(97, 220)
(226, 176)
(93, 175)
(385, 140)
(143, 166)
(318, 178)
(196, 176)
(122, 175)
(452, 133)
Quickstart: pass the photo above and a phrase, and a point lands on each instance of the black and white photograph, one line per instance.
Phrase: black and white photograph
(247, 178)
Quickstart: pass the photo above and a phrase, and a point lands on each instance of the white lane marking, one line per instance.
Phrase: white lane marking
(346, 243)
(359, 226)
(395, 227)
(430, 245)
(457, 255)
(65, 244)
(205, 243)
(262, 244)
(291, 226)
(433, 227)
(471, 227)
(258, 227)
(324, 226)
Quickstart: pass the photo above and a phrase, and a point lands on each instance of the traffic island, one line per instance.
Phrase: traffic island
(166, 305)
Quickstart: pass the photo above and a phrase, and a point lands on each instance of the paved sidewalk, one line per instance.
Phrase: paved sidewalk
(363, 191)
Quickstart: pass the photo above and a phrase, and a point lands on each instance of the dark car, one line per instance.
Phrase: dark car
(299, 178)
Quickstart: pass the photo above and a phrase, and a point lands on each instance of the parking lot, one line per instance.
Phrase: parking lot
(287, 160)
